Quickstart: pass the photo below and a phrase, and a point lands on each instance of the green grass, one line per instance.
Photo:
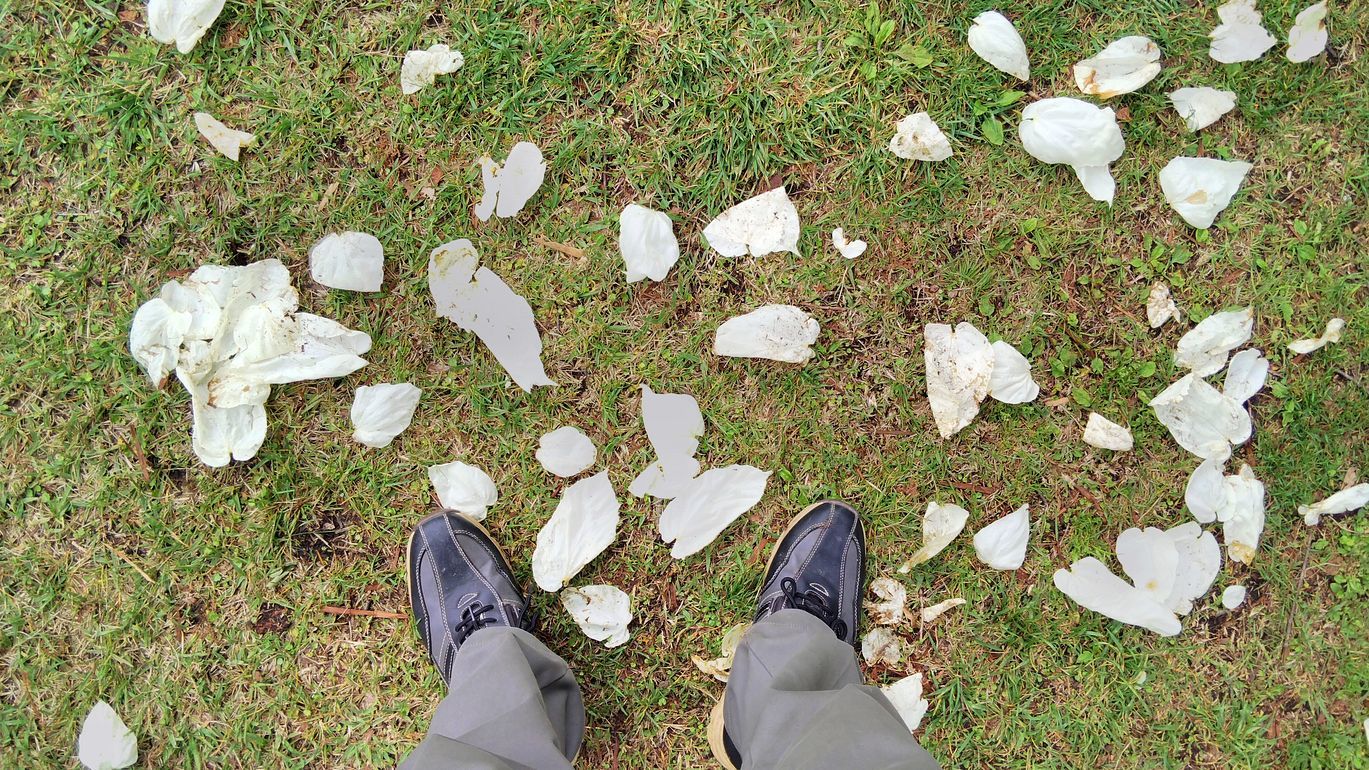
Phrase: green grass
(191, 598)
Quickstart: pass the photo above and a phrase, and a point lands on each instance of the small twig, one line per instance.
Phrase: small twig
(135, 567)
(1293, 605)
(570, 251)
(139, 454)
(330, 610)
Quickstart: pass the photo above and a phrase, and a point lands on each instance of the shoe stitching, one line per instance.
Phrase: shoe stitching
(499, 603)
(441, 605)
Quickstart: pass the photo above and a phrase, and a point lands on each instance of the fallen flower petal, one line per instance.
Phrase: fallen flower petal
(848, 249)
(1201, 107)
(155, 338)
(1201, 188)
(761, 225)
(381, 412)
(508, 188)
(224, 139)
(721, 668)
(1078, 134)
(710, 502)
(1240, 37)
(182, 22)
(1003, 544)
(1334, 327)
(881, 646)
(463, 488)
(940, 525)
(1124, 66)
(673, 425)
(1160, 307)
(584, 524)
(566, 452)
(1200, 418)
(1343, 501)
(1106, 434)
(351, 261)
(1245, 375)
(1233, 597)
(917, 137)
(892, 610)
(478, 300)
(1200, 558)
(1150, 558)
(1206, 491)
(421, 68)
(996, 41)
(1308, 36)
(646, 239)
(906, 697)
(105, 742)
(1011, 380)
(935, 611)
(1205, 347)
(960, 365)
(1243, 516)
(775, 332)
(1091, 585)
(603, 612)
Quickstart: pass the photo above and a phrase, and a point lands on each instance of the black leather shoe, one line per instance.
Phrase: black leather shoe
(819, 567)
(460, 582)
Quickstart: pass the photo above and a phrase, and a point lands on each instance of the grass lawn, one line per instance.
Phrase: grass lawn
(191, 599)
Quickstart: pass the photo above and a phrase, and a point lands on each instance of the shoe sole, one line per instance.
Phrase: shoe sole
(715, 718)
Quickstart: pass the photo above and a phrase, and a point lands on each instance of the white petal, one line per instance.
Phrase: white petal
(1124, 66)
(960, 365)
(1201, 188)
(1206, 491)
(940, 525)
(219, 435)
(1307, 37)
(1239, 37)
(602, 612)
(1200, 558)
(182, 22)
(721, 668)
(1003, 544)
(777, 332)
(1011, 381)
(155, 338)
(1334, 327)
(1090, 584)
(892, 610)
(935, 611)
(1233, 597)
(1106, 434)
(880, 645)
(566, 452)
(1205, 347)
(848, 249)
(224, 139)
(917, 137)
(1077, 134)
(673, 424)
(906, 697)
(351, 261)
(646, 239)
(275, 350)
(1200, 418)
(584, 524)
(105, 742)
(421, 67)
(1243, 522)
(508, 188)
(996, 41)
(1149, 557)
(479, 301)
(463, 488)
(708, 504)
(381, 412)
(1245, 375)
(761, 225)
(1160, 307)
(1201, 107)
(1343, 501)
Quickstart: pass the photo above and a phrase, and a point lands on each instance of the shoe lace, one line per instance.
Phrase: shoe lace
(813, 603)
(473, 618)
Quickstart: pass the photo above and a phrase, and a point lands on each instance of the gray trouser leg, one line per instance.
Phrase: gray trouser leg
(513, 704)
(795, 701)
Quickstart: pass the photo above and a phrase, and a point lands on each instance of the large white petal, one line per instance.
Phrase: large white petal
(646, 239)
(960, 365)
(1011, 381)
(1205, 347)
(996, 41)
(1240, 37)
(1243, 516)
(776, 332)
(566, 452)
(1245, 375)
(1200, 418)
(1206, 490)
(1342, 502)
(381, 412)
(1003, 544)
(1307, 37)
(1077, 134)
(421, 67)
(1106, 434)
(1200, 107)
(917, 137)
(881, 646)
(351, 261)
(105, 742)
(1332, 333)
(940, 525)
(479, 301)
(509, 187)
(1091, 585)
(182, 22)
(584, 524)
(906, 696)
(226, 140)
(155, 338)
(673, 425)
(709, 503)
(761, 225)
(603, 612)
(1124, 66)
(1149, 557)
(1200, 558)
(1201, 188)
(463, 488)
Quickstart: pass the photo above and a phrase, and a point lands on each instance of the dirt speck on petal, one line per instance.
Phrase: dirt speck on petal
(224, 139)
(757, 226)
(776, 332)
(1106, 434)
